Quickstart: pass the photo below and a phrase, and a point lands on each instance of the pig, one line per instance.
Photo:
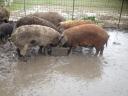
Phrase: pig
(6, 30)
(52, 17)
(85, 35)
(29, 20)
(71, 23)
(4, 14)
(28, 36)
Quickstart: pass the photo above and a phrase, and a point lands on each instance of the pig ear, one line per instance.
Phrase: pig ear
(58, 24)
(33, 41)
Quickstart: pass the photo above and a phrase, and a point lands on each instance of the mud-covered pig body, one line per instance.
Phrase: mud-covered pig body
(34, 35)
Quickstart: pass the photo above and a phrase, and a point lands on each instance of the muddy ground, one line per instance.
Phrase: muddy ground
(79, 74)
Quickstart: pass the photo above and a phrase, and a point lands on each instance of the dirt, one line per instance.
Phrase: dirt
(79, 74)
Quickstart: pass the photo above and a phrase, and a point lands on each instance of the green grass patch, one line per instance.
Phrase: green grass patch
(110, 4)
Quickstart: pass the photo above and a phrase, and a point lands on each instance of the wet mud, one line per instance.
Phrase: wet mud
(79, 74)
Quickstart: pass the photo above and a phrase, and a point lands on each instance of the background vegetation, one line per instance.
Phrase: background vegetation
(113, 4)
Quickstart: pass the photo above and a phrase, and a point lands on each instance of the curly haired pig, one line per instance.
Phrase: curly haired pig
(85, 35)
(53, 17)
(29, 20)
(6, 30)
(28, 36)
(71, 23)
(4, 14)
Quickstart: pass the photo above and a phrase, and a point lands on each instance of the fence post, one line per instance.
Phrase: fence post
(25, 7)
(73, 9)
(120, 13)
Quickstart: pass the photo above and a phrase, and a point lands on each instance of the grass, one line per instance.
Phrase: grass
(111, 4)
(18, 6)
(92, 18)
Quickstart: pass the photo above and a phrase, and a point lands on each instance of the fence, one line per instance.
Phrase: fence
(111, 12)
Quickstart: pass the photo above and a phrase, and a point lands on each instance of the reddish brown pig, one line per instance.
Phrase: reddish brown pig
(71, 23)
(85, 35)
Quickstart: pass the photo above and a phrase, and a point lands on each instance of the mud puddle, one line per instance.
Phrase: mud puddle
(78, 74)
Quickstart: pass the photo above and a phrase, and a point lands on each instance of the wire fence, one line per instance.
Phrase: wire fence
(113, 13)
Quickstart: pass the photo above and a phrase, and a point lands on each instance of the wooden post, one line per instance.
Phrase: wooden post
(73, 9)
(120, 13)
(25, 7)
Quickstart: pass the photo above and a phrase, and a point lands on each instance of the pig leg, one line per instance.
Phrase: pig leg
(69, 50)
(101, 50)
(97, 51)
(2, 37)
(18, 52)
(40, 49)
(6, 38)
(49, 50)
(44, 51)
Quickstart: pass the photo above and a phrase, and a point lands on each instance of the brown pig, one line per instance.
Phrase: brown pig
(85, 35)
(29, 20)
(4, 14)
(53, 17)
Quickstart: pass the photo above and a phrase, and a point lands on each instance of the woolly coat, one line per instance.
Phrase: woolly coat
(53, 17)
(34, 35)
(29, 20)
